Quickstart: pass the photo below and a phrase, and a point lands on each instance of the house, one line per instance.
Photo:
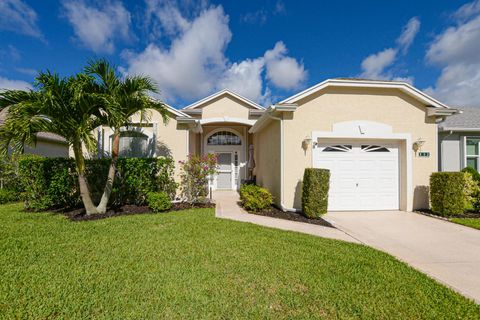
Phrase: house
(378, 138)
(459, 138)
(48, 144)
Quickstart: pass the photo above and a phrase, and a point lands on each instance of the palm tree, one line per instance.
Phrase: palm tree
(121, 99)
(63, 106)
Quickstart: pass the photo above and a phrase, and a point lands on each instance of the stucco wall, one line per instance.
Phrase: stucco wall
(267, 158)
(225, 105)
(319, 111)
(47, 148)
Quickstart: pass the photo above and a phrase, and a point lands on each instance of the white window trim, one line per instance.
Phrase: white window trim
(465, 153)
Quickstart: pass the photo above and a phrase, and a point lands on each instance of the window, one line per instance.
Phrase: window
(224, 138)
(338, 148)
(472, 152)
(134, 144)
(373, 148)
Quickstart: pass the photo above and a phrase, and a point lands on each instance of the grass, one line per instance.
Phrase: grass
(469, 222)
(189, 264)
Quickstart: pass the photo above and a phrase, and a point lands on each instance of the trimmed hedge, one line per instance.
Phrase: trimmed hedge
(159, 201)
(447, 193)
(255, 198)
(52, 182)
(316, 183)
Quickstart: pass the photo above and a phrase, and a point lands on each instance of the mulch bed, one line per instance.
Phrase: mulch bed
(126, 210)
(293, 216)
(474, 215)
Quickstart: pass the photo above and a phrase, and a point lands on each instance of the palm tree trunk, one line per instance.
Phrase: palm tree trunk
(107, 191)
(82, 180)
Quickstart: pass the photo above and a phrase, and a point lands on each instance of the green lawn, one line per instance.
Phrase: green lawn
(191, 265)
(469, 222)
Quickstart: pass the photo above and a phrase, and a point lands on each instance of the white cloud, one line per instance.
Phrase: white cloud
(409, 32)
(375, 65)
(195, 65)
(97, 28)
(14, 84)
(19, 17)
(457, 51)
(191, 66)
(284, 72)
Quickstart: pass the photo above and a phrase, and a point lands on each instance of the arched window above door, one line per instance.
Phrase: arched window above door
(224, 138)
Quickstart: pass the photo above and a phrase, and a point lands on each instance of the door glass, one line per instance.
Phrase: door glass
(224, 161)
(224, 180)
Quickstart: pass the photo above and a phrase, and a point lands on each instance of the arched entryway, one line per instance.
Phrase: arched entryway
(229, 146)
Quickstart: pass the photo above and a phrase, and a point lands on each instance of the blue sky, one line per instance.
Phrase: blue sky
(265, 50)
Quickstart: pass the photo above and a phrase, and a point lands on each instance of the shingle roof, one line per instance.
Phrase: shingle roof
(468, 119)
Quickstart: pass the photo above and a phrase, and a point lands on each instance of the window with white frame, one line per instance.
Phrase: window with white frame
(472, 152)
(134, 144)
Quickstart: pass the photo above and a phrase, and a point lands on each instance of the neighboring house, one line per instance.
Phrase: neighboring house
(459, 139)
(48, 144)
(378, 138)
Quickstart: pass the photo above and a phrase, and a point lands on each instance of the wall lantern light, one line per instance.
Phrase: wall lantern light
(417, 145)
(305, 143)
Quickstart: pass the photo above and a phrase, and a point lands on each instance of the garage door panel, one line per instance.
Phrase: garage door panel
(361, 177)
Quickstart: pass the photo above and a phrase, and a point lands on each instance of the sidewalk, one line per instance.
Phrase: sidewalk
(227, 208)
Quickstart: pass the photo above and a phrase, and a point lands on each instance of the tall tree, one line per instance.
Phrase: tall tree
(67, 107)
(121, 98)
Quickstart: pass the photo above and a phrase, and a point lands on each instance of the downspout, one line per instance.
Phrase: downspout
(282, 162)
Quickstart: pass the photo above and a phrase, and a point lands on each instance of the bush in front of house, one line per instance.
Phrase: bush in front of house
(448, 194)
(255, 198)
(7, 196)
(159, 201)
(194, 175)
(316, 183)
(52, 182)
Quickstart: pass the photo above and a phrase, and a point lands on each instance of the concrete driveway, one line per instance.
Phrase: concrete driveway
(445, 251)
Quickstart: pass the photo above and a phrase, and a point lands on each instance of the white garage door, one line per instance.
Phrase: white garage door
(362, 176)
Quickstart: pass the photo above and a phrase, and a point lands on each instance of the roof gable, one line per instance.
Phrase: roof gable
(402, 86)
(205, 101)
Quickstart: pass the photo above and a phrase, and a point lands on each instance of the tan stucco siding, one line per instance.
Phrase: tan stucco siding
(267, 159)
(319, 112)
(47, 148)
(225, 106)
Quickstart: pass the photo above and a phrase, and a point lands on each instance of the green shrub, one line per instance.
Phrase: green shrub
(447, 193)
(52, 182)
(159, 201)
(315, 192)
(473, 172)
(7, 196)
(255, 198)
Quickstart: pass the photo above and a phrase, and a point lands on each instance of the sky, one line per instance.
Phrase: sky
(265, 50)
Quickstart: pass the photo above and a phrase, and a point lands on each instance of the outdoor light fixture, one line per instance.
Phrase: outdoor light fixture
(417, 145)
(306, 142)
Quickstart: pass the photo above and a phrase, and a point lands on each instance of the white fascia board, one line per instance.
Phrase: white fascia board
(403, 86)
(285, 107)
(227, 119)
(219, 93)
(457, 129)
(431, 111)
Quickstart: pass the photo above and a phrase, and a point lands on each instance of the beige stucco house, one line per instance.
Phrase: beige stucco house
(378, 138)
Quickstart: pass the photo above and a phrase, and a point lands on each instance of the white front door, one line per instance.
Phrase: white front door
(224, 177)
(363, 176)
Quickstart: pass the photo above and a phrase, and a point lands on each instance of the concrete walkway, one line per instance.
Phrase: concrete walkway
(227, 208)
(445, 251)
